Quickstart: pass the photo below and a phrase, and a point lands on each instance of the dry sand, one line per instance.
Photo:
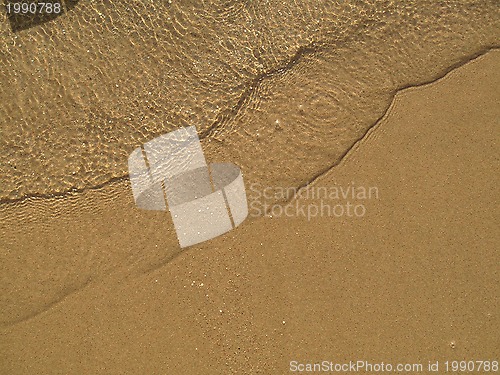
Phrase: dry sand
(414, 280)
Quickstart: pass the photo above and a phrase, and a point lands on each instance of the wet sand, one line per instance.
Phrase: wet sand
(94, 285)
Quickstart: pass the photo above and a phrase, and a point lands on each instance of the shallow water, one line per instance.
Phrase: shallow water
(286, 86)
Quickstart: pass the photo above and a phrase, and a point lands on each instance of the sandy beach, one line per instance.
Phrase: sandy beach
(387, 130)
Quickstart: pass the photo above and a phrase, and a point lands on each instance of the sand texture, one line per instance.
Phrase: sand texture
(399, 96)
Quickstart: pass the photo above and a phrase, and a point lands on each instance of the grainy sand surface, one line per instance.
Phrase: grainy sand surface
(91, 284)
